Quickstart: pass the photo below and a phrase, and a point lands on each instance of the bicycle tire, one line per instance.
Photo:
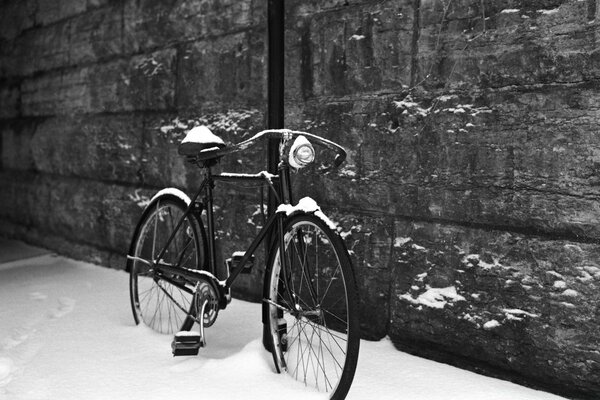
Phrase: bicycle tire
(319, 342)
(159, 301)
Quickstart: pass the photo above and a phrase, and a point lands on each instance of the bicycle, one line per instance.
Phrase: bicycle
(310, 306)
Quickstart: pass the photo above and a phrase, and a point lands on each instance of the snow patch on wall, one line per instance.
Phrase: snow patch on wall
(411, 108)
(519, 313)
(401, 241)
(491, 324)
(139, 199)
(434, 297)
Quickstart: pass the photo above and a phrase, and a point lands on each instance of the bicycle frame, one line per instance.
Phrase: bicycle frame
(283, 196)
(309, 301)
(281, 189)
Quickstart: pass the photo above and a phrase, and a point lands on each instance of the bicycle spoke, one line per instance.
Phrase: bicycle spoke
(162, 300)
(333, 336)
(320, 350)
(311, 350)
(330, 282)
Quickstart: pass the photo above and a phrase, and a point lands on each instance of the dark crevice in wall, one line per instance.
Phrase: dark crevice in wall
(29, 175)
(140, 52)
(306, 62)
(414, 49)
(591, 10)
(390, 268)
(543, 234)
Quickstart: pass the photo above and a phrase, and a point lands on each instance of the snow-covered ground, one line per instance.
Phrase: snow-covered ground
(66, 332)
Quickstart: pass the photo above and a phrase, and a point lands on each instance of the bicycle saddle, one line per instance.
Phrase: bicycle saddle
(199, 141)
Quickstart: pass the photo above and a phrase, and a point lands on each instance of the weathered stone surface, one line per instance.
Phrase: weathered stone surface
(150, 23)
(78, 210)
(15, 148)
(523, 303)
(15, 17)
(10, 97)
(42, 49)
(151, 82)
(520, 43)
(369, 240)
(96, 35)
(228, 70)
(142, 83)
(355, 50)
(106, 148)
(48, 12)
(60, 245)
(491, 160)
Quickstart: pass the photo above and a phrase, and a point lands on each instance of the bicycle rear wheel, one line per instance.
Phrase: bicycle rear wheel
(164, 302)
(312, 307)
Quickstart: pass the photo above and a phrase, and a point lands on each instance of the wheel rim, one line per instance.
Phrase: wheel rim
(314, 348)
(162, 302)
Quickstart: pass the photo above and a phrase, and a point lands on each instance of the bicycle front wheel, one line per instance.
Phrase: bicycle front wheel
(164, 302)
(312, 307)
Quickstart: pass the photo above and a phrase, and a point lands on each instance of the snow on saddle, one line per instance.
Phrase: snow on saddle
(200, 142)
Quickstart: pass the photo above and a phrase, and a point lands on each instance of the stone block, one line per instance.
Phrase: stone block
(150, 24)
(507, 300)
(48, 12)
(356, 50)
(44, 48)
(96, 35)
(519, 44)
(56, 93)
(17, 197)
(105, 148)
(15, 17)
(501, 161)
(15, 146)
(151, 80)
(226, 71)
(369, 241)
(10, 96)
(82, 211)
(141, 83)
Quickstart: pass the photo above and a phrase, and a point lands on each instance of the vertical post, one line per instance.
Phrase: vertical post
(276, 41)
(275, 92)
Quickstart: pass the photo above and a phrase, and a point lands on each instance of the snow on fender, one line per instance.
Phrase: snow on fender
(309, 206)
(172, 191)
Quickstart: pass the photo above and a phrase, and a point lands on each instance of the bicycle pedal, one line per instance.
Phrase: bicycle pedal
(187, 343)
(234, 261)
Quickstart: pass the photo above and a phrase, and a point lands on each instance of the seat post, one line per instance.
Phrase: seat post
(212, 258)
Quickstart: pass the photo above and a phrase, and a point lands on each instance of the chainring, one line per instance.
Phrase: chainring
(206, 292)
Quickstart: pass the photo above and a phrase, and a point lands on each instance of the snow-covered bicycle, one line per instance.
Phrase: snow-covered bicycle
(310, 300)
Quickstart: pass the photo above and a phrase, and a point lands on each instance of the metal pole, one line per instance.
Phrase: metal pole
(275, 120)
(276, 41)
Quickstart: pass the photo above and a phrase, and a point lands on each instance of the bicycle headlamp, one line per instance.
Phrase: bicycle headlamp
(302, 153)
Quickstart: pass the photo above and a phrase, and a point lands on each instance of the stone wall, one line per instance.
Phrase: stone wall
(470, 197)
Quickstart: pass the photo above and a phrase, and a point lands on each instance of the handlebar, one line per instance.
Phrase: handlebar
(274, 134)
